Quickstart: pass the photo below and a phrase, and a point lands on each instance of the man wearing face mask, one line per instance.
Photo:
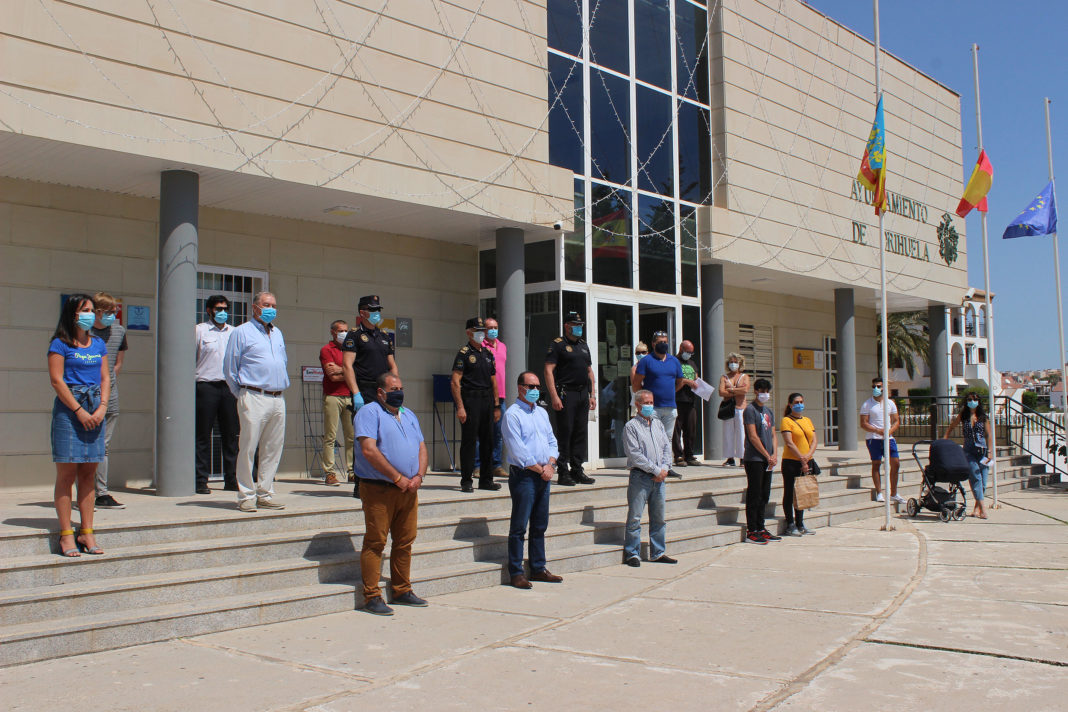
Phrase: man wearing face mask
(759, 460)
(532, 452)
(337, 404)
(685, 433)
(661, 374)
(391, 463)
(214, 401)
(474, 391)
(648, 450)
(113, 335)
(500, 357)
(570, 383)
(255, 370)
(873, 420)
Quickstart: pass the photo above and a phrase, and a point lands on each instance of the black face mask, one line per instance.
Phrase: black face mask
(395, 399)
(661, 348)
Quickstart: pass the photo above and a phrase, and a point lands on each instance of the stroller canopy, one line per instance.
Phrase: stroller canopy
(948, 463)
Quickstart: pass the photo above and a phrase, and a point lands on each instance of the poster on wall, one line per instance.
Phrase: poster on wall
(138, 317)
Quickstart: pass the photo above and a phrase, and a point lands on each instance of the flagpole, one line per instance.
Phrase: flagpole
(885, 465)
(986, 288)
(1057, 266)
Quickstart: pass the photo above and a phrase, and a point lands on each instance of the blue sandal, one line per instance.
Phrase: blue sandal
(69, 553)
(82, 546)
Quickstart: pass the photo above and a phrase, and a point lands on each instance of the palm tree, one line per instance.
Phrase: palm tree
(908, 338)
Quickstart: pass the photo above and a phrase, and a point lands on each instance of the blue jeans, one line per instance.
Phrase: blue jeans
(640, 491)
(978, 477)
(530, 504)
(498, 443)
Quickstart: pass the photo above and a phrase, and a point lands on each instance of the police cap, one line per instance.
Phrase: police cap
(370, 302)
(475, 323)
(573, 317)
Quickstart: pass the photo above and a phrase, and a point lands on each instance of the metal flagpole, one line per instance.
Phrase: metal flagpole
(986, 287)
(1057, 263)
(887, 526)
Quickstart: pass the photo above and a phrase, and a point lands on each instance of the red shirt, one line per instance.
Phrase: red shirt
(331, 353)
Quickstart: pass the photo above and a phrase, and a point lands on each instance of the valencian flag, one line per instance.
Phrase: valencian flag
(978, 187)
(1040, 217)
(873, 165)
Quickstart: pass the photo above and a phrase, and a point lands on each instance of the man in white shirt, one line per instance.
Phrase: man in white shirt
(873, 421)
(214, 401)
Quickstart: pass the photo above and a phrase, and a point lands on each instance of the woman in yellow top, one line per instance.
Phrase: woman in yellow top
(799, 438)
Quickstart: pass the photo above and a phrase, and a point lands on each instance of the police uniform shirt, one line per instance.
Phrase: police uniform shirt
(372, 347)
(477, 367)
(572, 361)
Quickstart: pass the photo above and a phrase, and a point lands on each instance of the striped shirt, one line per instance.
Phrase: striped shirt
(114, 338)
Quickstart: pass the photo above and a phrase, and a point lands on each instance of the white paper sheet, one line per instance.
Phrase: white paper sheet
(702, 389)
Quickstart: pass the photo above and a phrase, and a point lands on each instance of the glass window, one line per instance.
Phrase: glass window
(654, 141)
(691, 331)
(688, 249)
(691, 35)
(611, 236)
(565, 113)
(609, 35)
(695, 169)
(487, 269)
(615, 329)
(539, 259)
(573, 301)
(575, 242)
(609, 127)
(656, 244)
(564, 20)
(652, 47)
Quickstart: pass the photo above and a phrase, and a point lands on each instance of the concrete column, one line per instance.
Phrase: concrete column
(713, 354)
(511, 303)
(179, 197)
(939, 349)
(845, 335)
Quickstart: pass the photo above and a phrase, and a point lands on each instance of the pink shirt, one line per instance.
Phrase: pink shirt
(500, 355)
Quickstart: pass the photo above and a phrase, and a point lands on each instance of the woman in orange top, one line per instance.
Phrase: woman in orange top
(799, 437)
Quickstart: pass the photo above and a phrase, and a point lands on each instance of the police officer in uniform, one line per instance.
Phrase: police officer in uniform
(474, 391)
(570, 382)
(367, 353)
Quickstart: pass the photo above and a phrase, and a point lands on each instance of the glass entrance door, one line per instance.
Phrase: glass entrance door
(614, 358)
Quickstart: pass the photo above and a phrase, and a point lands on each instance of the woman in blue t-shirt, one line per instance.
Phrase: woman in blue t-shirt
(78, 367)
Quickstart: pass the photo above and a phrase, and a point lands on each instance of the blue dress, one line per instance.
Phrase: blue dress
(71, 442)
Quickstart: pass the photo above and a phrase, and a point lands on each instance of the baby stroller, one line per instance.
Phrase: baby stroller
(948, 466)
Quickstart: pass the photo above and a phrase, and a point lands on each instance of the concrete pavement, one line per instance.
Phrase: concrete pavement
(953, 616)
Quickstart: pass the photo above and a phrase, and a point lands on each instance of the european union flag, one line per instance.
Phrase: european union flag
(1040, 217)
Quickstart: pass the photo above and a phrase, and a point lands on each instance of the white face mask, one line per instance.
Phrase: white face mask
(732, 366)
(340, 338)
(763, 398)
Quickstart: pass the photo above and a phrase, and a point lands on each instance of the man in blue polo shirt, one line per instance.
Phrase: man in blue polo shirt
(390, 463)
(661, 374)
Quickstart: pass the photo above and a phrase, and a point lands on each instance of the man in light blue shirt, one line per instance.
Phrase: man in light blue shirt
(254, 367)
(648, 449)
(532, 453)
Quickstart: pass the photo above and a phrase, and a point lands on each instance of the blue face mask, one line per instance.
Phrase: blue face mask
(492, 333)
(648, 411)
(86, 320)
(221, 317)
(107, 319)
(576, 331)
(479, 336)
(375, 317)
(973, 404)
(798, 407)
(268, 314)
(876, 392)
(532, 395)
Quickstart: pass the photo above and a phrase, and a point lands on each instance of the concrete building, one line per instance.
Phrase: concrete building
(654, 164)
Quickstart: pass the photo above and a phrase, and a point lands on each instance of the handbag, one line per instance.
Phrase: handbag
(806, 491)
(813, 467)
(726, 409)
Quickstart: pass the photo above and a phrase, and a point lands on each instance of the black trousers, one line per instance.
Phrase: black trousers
(685, 430)
(479, 427)
(571, 428)
(757, 494)
(791, 470)
(215, 402)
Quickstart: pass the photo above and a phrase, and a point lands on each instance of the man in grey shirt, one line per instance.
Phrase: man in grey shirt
(648, 449)
(759, 459)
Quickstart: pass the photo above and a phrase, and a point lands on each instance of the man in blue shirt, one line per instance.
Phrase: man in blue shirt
(661, 374)
(390, 463)
(532, 453)
(254, 367)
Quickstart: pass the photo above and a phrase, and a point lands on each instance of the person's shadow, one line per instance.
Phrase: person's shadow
(338, 560)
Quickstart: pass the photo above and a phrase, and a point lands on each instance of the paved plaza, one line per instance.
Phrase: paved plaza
(955, 616)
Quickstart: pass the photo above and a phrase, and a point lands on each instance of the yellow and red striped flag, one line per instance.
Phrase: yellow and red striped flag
(873, 165)
(978, 186)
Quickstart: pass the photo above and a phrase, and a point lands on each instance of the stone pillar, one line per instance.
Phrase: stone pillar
(511, 303)
(179, 197)
(939, 349)
(713, 354)
(846, 389)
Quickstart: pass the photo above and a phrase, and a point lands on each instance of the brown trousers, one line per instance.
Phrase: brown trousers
(387, 511)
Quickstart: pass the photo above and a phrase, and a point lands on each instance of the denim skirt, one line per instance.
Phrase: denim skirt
(71, 442)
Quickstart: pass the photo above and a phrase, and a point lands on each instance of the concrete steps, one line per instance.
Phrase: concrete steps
(163, 580)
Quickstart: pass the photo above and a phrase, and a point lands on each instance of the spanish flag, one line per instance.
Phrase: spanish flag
(978, 186)
(873, 165)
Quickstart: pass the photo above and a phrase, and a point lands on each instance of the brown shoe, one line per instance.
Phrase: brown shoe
(546, 577)
(500, 472)
(331, 479)
(520, 581)
(352, 478)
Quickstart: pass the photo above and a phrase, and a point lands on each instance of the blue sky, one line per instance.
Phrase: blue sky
(1022, 57)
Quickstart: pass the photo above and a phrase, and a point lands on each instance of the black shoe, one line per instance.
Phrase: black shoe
(755, 538)
(466, 487)
(491, 486)
(108, 502)
(203, 489)
(356, 489)
(582, 478)
(729, 462)
(231, 487)
(672, 473)
(693, 462)
(565, 480)
(377, 606)
(409, 599)
(768, 536)
(679, 462)
(633, 561)
(665, 559)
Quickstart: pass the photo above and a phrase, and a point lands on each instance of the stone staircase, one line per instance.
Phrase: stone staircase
(176, 579)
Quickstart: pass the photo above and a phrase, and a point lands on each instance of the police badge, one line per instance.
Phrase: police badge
(472, 358)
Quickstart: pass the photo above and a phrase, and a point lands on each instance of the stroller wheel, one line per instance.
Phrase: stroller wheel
(945, 514)
(959, 514)
(912, 507)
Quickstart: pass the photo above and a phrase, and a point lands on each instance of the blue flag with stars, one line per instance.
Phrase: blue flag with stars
(1040, 217)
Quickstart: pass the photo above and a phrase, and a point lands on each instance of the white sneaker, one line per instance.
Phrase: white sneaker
(879, 497)
(898, 498)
